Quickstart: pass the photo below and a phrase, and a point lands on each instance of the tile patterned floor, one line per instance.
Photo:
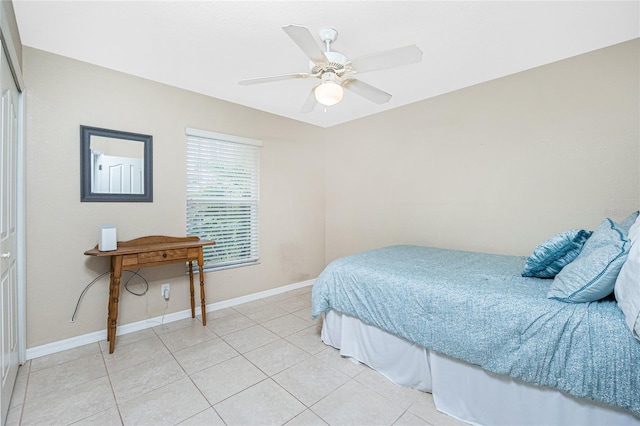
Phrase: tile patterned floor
(254, 364)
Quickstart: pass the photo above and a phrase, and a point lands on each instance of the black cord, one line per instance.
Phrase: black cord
(133, 273)
(73, 317)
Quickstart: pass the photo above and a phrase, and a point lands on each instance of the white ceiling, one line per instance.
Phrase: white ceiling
(207, 46)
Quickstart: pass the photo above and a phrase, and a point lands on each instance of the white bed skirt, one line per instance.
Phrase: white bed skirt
(462, 390)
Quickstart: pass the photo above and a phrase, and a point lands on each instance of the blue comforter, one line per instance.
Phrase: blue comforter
(477, 308)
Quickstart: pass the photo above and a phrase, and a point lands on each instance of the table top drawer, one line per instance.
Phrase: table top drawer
(162, 255)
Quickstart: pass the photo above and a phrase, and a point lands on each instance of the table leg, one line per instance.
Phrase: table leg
(193, 302)
(117, 273)
(202, 302)
(109, 309)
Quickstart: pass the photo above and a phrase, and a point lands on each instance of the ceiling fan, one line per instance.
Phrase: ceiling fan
(335, 71)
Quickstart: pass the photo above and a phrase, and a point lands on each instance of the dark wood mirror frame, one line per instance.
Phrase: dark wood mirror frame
(86, 193)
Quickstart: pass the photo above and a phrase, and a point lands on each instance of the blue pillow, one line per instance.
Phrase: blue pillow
(625, 225)
(555, 253)
(592, 275)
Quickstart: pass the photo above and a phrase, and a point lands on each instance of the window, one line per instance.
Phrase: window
(223, 192)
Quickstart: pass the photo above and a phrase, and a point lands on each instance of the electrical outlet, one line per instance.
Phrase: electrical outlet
(165, 290)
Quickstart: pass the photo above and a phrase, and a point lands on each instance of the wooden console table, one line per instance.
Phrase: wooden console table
(151, 251)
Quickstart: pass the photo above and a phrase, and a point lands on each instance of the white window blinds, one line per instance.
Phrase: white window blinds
(223, 193)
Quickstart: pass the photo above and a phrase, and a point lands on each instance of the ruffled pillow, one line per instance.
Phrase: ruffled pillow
(555, 253)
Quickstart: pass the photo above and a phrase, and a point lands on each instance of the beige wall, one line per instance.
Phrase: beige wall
(497, 167)
(62, 95)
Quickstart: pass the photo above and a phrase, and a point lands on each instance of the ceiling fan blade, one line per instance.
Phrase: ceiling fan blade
(305, 41)
(387, 59)
(273, 78)
(366, 91)
(311, 102)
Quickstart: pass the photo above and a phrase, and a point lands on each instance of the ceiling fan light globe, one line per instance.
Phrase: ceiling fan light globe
(328, 93)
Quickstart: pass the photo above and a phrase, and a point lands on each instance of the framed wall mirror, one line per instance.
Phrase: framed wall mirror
(115, 165)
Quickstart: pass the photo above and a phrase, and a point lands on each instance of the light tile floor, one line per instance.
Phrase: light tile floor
(257, 363)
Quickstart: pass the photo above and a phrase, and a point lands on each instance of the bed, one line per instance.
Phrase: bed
(486, 341)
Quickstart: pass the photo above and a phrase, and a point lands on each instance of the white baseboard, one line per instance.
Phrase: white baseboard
(73, 342)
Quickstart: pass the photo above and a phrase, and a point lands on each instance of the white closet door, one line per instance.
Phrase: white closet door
(8, 234)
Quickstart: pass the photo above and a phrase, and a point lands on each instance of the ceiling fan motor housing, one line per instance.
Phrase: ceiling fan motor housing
(337, 62)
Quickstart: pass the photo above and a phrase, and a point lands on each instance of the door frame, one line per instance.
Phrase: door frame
(9, 49)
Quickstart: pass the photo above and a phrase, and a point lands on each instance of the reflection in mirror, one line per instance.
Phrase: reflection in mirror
(116, 166)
